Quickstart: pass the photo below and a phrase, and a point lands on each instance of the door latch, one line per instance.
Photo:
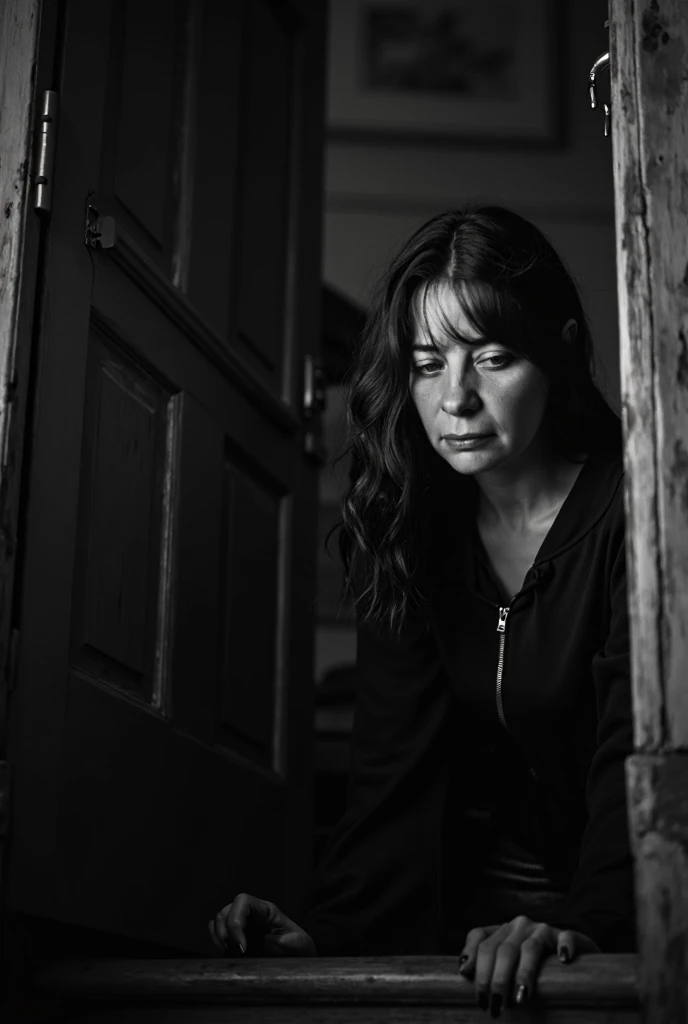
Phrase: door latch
(99, 232)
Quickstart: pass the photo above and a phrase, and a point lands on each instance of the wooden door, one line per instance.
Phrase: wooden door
(160, 726)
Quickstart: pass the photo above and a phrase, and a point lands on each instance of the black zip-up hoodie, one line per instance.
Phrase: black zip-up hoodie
(558, 732)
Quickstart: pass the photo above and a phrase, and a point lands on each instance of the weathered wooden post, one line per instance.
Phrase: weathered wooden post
(649, 67)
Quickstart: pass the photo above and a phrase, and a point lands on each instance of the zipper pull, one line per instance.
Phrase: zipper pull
(501, 625)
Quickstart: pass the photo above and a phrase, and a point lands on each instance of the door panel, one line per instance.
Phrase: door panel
(217, 162)
(160, 730)
(156, 826)
(144, 93)
(121, 522)
(143, 90)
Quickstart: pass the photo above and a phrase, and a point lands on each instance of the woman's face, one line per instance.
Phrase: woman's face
(482, 389)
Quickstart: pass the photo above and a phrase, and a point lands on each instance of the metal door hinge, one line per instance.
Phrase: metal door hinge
(99, 232)
(45, 152)
(4, 799)
(314, 401)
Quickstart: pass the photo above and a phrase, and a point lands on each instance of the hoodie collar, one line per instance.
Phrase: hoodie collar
(585, 505)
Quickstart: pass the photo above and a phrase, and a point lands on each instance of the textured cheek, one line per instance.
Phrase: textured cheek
(420, 409)
(426, 403)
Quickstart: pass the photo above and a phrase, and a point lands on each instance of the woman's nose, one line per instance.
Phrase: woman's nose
(459, 395)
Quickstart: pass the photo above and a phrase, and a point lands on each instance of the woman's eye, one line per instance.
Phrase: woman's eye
(497, 362)
(423, 369)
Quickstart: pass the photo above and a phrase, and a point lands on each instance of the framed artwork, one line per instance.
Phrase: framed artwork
(452, 70)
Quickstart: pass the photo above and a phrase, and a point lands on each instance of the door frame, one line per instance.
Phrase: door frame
(649, 110)
(29, 31)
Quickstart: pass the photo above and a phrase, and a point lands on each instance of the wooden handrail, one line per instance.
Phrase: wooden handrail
(594, 981)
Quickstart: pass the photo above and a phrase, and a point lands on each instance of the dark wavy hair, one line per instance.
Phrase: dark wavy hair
(521, 294)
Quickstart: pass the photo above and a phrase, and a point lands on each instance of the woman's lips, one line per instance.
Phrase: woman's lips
(466, 442)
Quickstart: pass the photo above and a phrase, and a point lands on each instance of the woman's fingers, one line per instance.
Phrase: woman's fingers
(533, 951)
(506, 959)
(497, 959)
(484, 969)
(573, 943)
(243, 909)
(218, 925)
(499, 973)
(469, 954)
(566, 946)
(244, 914)
(228, 927)
(213, 936)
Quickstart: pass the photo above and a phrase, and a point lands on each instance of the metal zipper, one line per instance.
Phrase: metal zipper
(501, 629)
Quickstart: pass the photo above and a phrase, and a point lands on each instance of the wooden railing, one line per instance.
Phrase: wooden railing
(594, 989)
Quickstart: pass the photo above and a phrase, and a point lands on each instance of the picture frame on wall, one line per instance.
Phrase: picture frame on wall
(446, 70)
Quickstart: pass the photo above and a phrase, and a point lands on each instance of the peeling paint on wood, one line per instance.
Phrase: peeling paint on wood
(682, 368)
(652, 28)
(658, 796)
(637, 371)
(658, 805)
(661, 873)
(650, 142)
(650, 86)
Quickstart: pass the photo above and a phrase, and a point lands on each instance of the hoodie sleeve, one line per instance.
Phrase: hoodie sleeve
(376, 887)
(601, 901)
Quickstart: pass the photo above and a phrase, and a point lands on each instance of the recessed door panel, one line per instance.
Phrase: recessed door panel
(216, 164)
(139, 155)
(121, 521)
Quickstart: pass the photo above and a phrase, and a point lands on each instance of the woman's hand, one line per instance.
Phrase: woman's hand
(500, 956)
(250, 922)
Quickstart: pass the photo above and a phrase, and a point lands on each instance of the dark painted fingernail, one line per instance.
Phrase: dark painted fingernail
(483, 1000)
(564, 954)
(241, 947)
(496, 1005)
(521, 994)
(462, 960)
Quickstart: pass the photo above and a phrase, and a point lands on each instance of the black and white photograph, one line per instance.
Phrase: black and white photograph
(343, 511)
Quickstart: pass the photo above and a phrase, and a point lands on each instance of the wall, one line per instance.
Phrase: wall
(377, 194)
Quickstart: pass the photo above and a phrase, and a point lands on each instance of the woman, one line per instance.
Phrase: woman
(483, 542)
